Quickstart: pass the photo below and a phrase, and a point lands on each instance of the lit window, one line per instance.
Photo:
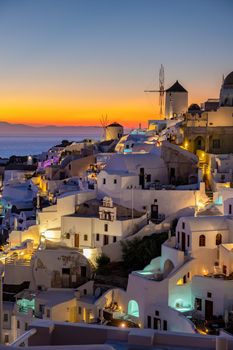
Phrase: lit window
(198, 304)
(218, 239)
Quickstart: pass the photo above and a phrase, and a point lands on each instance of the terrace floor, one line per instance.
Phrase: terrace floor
(125, 346)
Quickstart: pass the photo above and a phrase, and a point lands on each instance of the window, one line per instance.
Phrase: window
(69, 166)
(188, 241)
(48, 313)
(84, 291)
(79, 310)
(198, 304)
(202, 241)
(114, 239)
(224, 269)
(156, 313)
(178, 237)
(18, 324)
(216, 143)
(26, 326)
(115, 181)
(218, 239)
(5, 318)
(165, 325)
(183, 225)
(184, 279)
(68, 236)
(230, 209)
(97, 237)
(104, 181)
(148, 178)
(209, 295)
(106, 227)
(85, 238)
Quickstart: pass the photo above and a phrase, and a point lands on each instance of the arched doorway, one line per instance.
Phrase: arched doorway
(199, 143)
(167, 267)
(133, 308)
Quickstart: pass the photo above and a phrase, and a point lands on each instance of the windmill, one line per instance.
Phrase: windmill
(161, 91)
(104, 124)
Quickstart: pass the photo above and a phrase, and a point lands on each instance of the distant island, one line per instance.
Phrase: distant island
(10, 128)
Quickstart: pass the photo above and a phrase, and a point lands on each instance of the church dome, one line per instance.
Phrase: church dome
(228, 80)
(194, 107)
(226, 92)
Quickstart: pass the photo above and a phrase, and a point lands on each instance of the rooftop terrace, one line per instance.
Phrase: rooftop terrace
(49, 335)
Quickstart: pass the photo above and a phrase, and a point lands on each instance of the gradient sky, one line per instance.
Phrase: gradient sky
(71, 61)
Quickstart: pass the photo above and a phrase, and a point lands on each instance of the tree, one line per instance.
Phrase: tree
(138, 253)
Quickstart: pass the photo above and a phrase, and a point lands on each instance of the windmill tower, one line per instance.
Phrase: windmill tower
(104, 124)
(160, 91)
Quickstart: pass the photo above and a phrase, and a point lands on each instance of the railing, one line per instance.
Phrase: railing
(19, 262)
(23, 338)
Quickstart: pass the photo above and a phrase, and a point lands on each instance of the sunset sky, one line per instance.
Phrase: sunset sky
(71, 61)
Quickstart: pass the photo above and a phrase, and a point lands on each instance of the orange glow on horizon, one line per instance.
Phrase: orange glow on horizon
(60, 108)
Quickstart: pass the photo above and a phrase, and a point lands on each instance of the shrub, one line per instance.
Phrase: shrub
(138, 253)
(102, 260)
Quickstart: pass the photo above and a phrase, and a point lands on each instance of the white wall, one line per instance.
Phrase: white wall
(221, 117)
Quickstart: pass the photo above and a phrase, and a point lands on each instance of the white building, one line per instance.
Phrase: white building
(162, 181)
(193, 276)
(114, 131)
(96, 224)
(176, 100)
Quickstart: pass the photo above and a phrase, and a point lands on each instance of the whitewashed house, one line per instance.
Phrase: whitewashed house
(98, 223)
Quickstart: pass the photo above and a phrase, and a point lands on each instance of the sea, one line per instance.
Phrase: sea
(25, 144)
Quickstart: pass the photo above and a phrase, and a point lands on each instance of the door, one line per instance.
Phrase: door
(142, 178)
(148, 321)
(183, 241)
(154, 212)
(105, 239)
(208, 309)
(172, 175)
(83, 271)
(157, 323)
(65, 278)
(76, 240)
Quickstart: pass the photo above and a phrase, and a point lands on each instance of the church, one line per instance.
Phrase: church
(211, 130)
